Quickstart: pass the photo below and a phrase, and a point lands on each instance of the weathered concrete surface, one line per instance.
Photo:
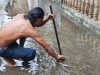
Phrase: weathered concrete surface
(81, 20)
(20, 6)
(82, 49)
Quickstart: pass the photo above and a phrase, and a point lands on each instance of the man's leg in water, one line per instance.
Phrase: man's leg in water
(13, 52)
(10, 61)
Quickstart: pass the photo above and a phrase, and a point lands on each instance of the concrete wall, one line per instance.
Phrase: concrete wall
(20, 6)
(81, 20)
(3, 4)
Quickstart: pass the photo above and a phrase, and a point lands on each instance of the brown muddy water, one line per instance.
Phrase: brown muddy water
(80, 48)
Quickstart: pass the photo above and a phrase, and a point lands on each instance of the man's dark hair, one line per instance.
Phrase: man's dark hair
(34, 13)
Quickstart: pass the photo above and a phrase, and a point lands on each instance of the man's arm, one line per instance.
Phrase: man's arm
(47, 18)
(32, 33)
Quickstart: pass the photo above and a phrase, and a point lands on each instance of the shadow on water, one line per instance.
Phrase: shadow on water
(80, 48)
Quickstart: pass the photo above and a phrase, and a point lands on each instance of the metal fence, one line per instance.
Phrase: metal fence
(90, 8)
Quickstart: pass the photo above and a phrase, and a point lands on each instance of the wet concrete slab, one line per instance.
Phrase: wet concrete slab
(80, 48)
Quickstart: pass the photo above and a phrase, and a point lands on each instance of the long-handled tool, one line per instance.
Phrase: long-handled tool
(56, 31)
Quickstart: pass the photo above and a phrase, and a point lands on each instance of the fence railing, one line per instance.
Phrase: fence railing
(91, 8)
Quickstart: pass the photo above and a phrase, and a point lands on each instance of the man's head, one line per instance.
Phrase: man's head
(35, 16)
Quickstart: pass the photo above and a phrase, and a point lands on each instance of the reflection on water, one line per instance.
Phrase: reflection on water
(80, 48)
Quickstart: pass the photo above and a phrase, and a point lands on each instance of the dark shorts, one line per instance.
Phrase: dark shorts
(16, 52)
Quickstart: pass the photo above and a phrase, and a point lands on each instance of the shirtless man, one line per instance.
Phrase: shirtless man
(22, 26)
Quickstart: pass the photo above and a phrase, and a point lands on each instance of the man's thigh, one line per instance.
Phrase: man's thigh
(18, 52)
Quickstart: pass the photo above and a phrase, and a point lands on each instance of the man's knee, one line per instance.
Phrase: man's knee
(32, 54)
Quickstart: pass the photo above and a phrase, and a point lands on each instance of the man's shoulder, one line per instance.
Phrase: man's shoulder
(18, 16)
(27, 27)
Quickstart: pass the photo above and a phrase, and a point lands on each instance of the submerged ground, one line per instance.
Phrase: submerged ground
(80, 48)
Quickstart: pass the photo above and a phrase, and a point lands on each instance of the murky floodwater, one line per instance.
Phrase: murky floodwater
(80, 48)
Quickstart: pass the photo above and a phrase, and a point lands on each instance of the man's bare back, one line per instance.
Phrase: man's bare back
(13, 30)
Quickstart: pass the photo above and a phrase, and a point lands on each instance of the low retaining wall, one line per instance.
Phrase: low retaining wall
(81, 20)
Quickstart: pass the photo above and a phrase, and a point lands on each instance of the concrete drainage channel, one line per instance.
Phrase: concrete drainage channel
(80, 48)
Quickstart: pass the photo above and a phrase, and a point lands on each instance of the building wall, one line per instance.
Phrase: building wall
(20, 6)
